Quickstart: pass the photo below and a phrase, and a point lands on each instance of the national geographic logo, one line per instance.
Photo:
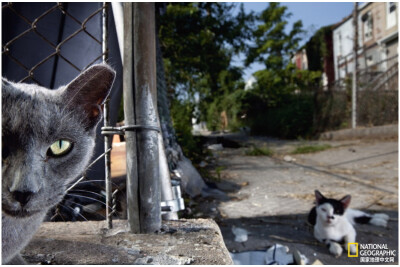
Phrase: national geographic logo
(372, 253)
(349, 250)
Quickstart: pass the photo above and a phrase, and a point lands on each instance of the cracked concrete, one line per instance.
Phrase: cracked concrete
(180, 242)
(277, 192)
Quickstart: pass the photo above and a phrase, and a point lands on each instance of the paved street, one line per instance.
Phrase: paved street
(277, 192)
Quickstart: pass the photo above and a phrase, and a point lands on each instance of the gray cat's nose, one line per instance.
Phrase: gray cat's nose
(22, 197)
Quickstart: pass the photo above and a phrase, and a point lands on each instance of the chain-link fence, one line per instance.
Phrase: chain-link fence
(50, 44)
(377, 99)
(52, 35)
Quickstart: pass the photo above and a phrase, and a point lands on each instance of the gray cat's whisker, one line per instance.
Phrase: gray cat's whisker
(86, 208)
(102, 202)
(64, 206)
(89, 181)
(87, 191)
(90, 165)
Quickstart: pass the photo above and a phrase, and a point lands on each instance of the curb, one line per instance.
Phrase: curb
(377, 132)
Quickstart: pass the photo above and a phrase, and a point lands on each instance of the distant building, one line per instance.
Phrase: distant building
(377, 39)
(379, 34)
(300, 60)
(317, 55)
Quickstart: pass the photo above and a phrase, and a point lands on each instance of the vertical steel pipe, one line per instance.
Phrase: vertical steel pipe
(107, 138)
(165, 179)
(146, 114)
(132, 183)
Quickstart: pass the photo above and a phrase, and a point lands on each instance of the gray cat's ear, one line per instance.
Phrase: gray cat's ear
(89, 90)
(318, 196)
(346, 201)
(4, 84)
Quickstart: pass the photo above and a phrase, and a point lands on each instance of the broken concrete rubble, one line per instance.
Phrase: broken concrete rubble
(180, 242)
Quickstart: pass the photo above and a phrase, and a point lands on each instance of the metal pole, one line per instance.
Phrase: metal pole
(107, 138)
(118, 12)
(165, 179)
(146, 114)
(132, 183)
(355, 60)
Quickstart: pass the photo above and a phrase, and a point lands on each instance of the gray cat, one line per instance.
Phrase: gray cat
(48, 138)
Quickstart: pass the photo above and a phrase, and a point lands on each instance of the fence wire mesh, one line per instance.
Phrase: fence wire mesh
(38, 23)
(38, 39)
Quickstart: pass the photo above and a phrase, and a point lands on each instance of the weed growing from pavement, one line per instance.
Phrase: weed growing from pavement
(311, 149)
(259, 151)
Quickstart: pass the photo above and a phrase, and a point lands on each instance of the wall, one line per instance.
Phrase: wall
(381, 45)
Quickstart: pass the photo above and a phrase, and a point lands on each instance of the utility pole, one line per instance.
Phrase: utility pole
(354, 81)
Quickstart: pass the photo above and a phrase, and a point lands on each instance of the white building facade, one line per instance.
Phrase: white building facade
(377, 39)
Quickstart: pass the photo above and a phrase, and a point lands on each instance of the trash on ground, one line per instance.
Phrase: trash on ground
(278, 255)
(288, 158)
(299, 259)
(275, 255)
(317, 262)
(215, 147)
(248, 258)
(203, 164)
(241, 234)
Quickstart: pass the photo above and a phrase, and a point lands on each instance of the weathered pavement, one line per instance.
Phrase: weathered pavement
(179, 242)
(276, 194)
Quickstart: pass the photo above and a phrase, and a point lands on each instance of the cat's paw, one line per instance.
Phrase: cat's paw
(382, 216)
(379, 219)
(335, 249)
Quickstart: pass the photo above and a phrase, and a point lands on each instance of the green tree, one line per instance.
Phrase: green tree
(198, 41)
(275, 105)
(272, 45)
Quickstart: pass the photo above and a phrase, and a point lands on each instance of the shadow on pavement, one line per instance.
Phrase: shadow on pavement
(294, 232)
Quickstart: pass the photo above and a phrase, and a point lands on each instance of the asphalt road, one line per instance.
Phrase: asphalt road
(274, 194)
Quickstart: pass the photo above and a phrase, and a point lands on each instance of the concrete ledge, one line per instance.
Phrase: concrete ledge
(377, 132)
(180, 242)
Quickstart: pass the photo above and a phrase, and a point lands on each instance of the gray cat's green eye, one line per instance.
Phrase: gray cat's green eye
(59, 148)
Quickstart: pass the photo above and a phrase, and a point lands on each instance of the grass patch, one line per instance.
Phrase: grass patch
(310, 149)
(218, 171)
(259, 151)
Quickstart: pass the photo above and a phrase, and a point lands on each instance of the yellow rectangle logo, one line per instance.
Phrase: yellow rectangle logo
(348, 250)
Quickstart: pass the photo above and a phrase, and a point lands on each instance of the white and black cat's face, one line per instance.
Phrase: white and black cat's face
(330, 211)
(48, 138)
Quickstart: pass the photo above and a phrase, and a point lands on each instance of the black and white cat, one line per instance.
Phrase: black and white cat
(48, 138)
(333, 222)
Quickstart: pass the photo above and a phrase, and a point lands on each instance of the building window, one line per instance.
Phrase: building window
(390, 14)
(368, 26)
(339, 35)
(370, 60)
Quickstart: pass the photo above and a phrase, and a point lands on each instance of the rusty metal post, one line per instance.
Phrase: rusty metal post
(146, 114)
(107, 138)
(132, 192)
